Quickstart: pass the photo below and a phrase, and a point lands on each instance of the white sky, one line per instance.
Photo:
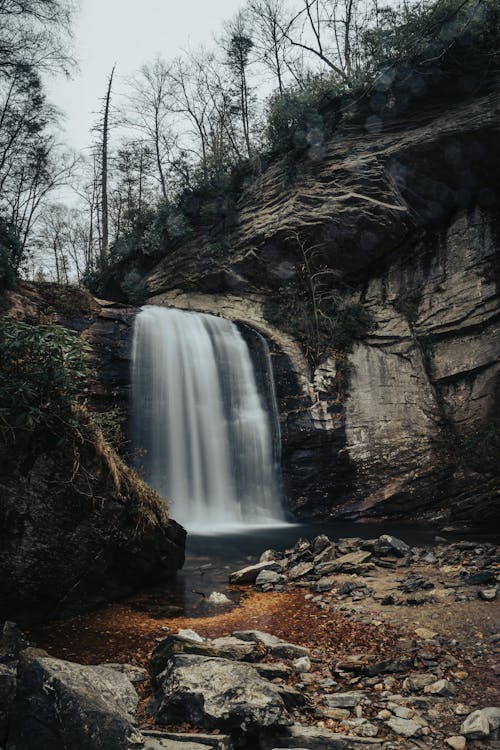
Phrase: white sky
(130, 33)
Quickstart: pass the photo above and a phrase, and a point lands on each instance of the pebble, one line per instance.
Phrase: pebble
(303, 664)
(488, 595)
(457, 742)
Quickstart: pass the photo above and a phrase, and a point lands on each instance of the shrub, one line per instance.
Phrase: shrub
(10, 255)
(300, 119)
(334, 326)
(43, 371)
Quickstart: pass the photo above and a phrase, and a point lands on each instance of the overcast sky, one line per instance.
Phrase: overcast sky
(128, 32)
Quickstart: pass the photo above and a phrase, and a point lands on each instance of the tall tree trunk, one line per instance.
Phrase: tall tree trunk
(104, 174)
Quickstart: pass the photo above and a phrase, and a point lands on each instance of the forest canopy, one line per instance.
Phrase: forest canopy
(173, 146)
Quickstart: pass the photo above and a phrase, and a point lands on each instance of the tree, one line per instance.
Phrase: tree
(35, 34)
(266, 18)
(151, 103)
(104, 149)
(239, 44)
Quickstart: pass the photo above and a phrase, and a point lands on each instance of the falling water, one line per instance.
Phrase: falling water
(201, 429)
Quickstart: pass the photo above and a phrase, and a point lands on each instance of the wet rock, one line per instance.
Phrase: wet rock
(275, 646)
(250, 573)
(60, 705)
(12, 642)
(217, 694)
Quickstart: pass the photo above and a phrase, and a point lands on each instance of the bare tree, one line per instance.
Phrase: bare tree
(152, 104)
(266, 17)
(104, 166)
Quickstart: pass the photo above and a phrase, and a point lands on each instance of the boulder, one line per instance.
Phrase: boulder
(60, 705)
(391, 545)
(349, 563)
(476, 726)
(220, 648)
(250, 573)
(217, 694)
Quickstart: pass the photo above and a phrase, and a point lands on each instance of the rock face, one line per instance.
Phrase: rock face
(214, 693)
(60, 705)
(407, 218)
(76, 494)
(122, 533)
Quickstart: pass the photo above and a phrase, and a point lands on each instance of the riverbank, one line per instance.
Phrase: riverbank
(412, 632)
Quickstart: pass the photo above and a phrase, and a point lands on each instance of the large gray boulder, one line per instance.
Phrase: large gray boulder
(217, 693)
(223, 648)
(61, 706)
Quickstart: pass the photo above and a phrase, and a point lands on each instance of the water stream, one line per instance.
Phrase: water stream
(202, 432)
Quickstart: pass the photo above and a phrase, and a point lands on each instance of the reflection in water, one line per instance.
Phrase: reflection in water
(210, 559)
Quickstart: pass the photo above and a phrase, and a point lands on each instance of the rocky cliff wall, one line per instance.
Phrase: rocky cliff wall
(406, 218)
(78, 528)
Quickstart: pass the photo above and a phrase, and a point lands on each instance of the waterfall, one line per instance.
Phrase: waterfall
(201, 431)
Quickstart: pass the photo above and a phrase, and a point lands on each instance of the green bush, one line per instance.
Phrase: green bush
(300, 119)
(10, 255)
(43, 371)
(334, 326)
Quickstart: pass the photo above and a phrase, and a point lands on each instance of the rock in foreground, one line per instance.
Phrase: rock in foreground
(217, 693)
(60, 705)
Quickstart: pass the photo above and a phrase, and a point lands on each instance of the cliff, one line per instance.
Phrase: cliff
(405, 216)
(78, 527)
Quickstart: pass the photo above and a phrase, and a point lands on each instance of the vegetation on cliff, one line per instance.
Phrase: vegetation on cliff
(43, 378)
